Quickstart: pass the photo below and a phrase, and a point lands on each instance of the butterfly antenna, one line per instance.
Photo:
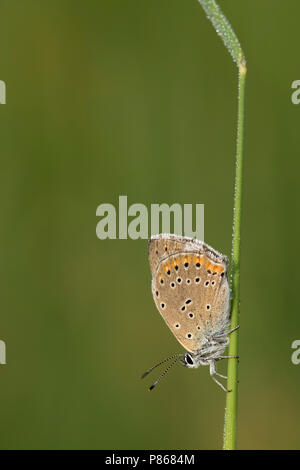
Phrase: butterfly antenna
(163, 374)
(161, 362)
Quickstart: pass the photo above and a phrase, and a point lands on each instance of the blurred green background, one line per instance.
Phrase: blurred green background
(106, 98)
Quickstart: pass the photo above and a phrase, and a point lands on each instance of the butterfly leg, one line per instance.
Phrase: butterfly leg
(213, 372)
(220, 385)
(220, 375)
(227, 333)
(226, 357)
(233, 329)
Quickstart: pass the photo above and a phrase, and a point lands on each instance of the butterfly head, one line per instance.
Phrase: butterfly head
(193, 361)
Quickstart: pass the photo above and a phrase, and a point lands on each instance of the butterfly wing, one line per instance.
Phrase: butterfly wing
(166, 244)
(190, 288)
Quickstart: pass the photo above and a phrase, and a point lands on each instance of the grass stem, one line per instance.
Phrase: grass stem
(230, 426)
(225, 31)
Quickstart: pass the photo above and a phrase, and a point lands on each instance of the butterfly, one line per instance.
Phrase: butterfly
(191, 292)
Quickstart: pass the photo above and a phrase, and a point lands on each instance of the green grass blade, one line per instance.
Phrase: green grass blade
(224, 30)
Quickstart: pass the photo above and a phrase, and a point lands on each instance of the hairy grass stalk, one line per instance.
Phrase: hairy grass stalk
(225, 31)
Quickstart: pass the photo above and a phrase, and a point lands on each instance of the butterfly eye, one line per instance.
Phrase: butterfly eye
(189, 360)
